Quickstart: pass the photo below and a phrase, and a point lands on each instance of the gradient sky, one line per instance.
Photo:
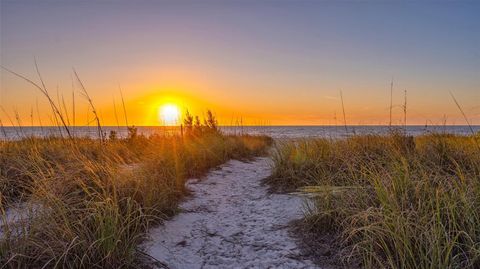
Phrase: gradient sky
(269, 62)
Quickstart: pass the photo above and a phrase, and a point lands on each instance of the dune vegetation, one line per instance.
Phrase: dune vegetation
(391, 201)
(88, 203)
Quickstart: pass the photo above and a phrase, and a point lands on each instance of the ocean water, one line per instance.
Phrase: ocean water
(15, 133)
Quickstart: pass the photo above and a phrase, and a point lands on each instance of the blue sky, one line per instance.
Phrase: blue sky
(280, 61)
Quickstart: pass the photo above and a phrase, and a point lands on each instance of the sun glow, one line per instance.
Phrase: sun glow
(169, 114)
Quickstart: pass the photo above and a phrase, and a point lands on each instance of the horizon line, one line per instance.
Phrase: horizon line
(247, 125)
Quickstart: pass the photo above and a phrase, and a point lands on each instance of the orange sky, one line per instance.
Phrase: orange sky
(265, 64)
(146, 95)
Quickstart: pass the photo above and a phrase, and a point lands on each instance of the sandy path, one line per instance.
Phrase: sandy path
(231, 222)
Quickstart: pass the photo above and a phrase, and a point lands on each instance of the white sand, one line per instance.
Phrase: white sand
(17, 217)
(231, 221)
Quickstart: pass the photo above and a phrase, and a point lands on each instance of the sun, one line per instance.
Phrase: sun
(169, 114)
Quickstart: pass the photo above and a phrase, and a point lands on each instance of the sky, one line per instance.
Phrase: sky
(259, 62)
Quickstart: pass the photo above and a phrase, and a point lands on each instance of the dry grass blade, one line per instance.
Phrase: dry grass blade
(466, 120)
(44, 91)
(391, 201)
(84, 92)
(101, 197)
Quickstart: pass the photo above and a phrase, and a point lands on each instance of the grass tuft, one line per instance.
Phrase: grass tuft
(391, 201)
(84, 203)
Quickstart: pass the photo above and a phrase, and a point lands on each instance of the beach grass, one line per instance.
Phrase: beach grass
(88, 203)
(391, 201)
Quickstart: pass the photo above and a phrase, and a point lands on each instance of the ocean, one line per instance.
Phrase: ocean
(16, 133)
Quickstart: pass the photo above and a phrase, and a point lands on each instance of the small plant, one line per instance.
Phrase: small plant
(211, 122)
(194, 127)
(188, 123)
(132, 133)
(113, 135)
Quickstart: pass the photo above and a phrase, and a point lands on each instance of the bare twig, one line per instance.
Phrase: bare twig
(124, 108)
(391, 103)
(39, 116)
(3, 129)
(66, 111)
(44, 91)
(115, 111)
(10, 120)
(405, 112)
(19, 122)
(466, 119)
(73, 108)
(31, 116)
(344, 117)
(90, 102)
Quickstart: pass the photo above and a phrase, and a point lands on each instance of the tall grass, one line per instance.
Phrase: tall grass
(89, 204)
(391, 201)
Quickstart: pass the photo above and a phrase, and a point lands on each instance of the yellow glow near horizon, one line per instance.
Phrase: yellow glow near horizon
(169, 114)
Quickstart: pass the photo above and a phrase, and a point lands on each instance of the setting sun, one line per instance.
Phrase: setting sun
(169, 114)
(135, 127)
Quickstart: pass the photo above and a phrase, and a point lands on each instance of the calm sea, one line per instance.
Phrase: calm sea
(14, 133)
